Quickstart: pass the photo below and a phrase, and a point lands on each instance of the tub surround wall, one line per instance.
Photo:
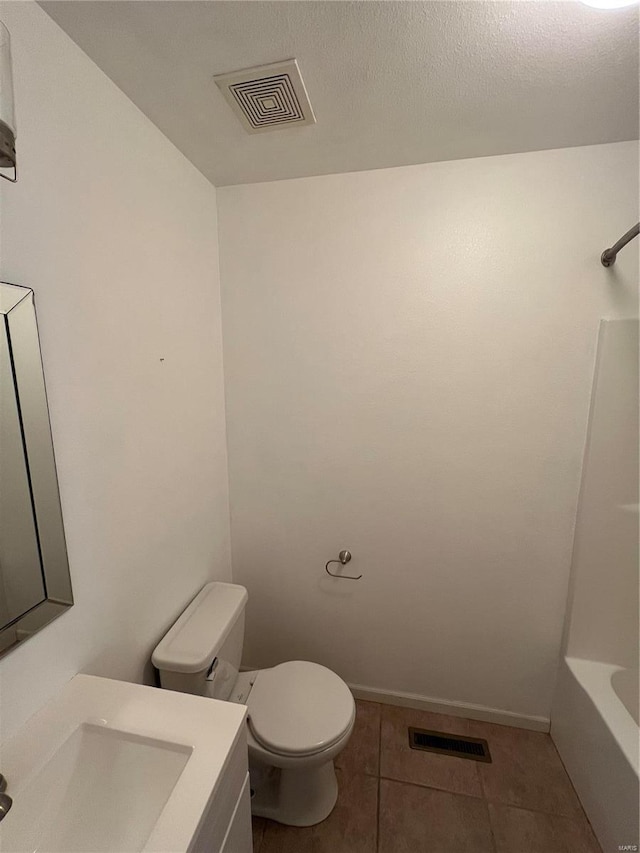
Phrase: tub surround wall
(116, 233)
(602, 623)
(594, 720)
(408, 363)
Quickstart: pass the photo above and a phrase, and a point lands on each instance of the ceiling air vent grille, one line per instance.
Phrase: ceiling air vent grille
(269, 97)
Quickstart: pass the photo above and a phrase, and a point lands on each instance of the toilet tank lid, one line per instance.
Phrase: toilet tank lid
(196, 637)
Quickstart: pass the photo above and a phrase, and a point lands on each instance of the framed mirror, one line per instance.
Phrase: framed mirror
(35, 585)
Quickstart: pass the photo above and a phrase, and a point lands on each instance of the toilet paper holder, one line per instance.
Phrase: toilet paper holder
(343, 558)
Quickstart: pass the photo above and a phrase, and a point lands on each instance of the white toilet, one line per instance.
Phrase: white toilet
(300, 717)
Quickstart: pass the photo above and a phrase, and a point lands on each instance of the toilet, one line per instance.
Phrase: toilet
(300, 714)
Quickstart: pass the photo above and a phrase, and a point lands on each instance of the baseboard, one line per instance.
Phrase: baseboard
(445, 706)
(455, 709)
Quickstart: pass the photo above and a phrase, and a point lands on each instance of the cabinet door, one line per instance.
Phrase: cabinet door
(223, 805)
(239, 838)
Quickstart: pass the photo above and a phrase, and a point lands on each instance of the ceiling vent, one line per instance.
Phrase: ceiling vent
(269, 97)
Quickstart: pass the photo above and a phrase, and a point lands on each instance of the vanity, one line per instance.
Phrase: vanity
(114, 767)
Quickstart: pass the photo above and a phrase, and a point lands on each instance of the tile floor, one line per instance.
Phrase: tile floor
(397, 800)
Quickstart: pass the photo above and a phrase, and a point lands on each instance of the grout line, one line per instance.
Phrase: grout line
(493, 836)
(482, 787)
(486, 806)
(431, 788)
(575, 817)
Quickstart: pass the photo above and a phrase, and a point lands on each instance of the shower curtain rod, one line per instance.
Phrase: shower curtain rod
(608, 257)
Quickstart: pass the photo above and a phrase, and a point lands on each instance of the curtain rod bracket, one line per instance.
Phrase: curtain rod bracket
(608, 257)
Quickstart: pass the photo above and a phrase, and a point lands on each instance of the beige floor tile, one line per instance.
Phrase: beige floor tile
(398, 761)
(352, 825)
(521, 831)
(423, 820)
(362, 753)
(526, 771)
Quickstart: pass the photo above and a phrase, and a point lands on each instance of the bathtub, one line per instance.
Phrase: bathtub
(594, 725)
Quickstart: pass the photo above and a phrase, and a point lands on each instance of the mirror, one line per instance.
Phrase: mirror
(35, 586)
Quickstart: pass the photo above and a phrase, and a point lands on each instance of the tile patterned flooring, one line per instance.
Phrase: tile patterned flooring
(397, 800)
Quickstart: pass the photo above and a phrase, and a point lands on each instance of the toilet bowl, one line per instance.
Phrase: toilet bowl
(300, 714)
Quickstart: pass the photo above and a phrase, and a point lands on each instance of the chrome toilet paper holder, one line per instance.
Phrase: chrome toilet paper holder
(343, 558)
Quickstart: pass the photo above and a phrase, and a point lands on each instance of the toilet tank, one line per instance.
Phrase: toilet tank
(201, 652)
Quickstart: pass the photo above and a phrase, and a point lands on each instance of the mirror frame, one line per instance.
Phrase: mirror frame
(18, 314)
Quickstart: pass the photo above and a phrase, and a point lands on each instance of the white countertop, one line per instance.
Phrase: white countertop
(207, 727)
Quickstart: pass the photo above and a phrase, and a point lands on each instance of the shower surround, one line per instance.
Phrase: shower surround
(594, 720)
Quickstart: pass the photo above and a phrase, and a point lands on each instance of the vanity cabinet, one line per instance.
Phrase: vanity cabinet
(113, 766)
(239, 836)
(226, 825)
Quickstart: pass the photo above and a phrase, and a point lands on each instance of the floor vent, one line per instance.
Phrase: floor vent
(268, 97)
(446, 744)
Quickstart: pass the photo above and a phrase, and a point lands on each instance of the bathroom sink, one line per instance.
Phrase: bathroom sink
(112, 766)
(84, 796)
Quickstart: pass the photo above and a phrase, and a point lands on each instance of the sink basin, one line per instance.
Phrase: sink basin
(112, 766)
(86, 797)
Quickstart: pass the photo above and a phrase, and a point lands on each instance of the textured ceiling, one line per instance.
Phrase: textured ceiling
(391, 83)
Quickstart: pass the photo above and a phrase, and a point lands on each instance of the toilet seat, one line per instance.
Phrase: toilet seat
(299, 708)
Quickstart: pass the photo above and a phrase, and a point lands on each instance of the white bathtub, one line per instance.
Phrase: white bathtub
(594, 726)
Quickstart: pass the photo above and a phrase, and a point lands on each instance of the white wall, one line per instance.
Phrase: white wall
(408, 362)
(116, 233)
